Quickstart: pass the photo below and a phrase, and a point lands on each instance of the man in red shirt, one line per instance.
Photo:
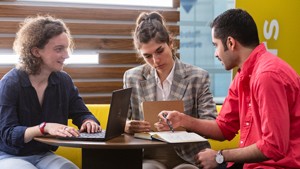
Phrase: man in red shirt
(263, 102)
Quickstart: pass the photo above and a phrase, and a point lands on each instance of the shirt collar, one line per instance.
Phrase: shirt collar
(25, 82)
(169, 77)
(249, 64)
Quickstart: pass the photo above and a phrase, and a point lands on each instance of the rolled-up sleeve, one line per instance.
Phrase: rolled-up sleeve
(274, 115)
(228, 118)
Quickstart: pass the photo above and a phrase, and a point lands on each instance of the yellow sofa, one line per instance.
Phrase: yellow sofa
(220, 145)
(101, 112)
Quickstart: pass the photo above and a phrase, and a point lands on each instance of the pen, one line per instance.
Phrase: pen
(168, 122)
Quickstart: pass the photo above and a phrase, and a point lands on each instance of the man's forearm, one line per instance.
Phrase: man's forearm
(207, 128)
(247, 154)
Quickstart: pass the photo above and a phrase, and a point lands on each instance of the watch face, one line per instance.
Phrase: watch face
(219, 159)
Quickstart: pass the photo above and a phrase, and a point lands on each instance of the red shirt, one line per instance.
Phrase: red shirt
(264, 104)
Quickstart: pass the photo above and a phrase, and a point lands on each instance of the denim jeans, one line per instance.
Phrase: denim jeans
(47, 160)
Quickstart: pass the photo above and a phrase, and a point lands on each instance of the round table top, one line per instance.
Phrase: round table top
(123, 141)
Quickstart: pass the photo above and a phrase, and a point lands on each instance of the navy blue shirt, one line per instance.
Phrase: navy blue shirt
(20, 108)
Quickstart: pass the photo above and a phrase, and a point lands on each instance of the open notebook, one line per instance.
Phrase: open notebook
(116, 119)
(171, 137)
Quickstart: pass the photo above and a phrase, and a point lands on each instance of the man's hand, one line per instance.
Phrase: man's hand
(206, 159)
(174, 117)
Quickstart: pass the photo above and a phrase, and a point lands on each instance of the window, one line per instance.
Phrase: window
(195, 41)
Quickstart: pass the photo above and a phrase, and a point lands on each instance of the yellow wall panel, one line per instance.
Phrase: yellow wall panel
(278, 23)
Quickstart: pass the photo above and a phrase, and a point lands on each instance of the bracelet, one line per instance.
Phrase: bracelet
(42, 127)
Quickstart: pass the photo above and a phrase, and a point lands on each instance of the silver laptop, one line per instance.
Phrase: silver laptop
(116, 119)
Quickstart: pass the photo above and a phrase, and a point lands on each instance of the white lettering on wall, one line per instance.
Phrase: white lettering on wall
(271, 31)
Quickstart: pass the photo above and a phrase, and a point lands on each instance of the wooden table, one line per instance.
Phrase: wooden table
(121, 152)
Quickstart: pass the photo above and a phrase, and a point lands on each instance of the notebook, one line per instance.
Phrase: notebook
(152, 108)
(171, 137)
(116, 119)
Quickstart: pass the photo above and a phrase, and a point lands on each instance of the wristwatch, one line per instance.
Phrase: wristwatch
(219, 157)
(42, 127)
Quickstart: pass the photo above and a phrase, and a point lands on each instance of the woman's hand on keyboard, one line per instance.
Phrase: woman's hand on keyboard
(61, 130)
(90, 126)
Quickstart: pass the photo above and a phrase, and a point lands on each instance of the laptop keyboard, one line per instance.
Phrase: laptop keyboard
(92, 135)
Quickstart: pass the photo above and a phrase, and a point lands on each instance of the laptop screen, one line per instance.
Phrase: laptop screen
(117, 117)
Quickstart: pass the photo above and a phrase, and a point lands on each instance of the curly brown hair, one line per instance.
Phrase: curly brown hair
(36, 32)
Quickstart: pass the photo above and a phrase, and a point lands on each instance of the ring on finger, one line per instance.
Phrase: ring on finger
(65, 128)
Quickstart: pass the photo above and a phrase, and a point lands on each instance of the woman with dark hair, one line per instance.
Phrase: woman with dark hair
(165, 77)
(37, 98)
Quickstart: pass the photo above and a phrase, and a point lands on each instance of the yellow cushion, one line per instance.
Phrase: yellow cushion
(100, 111)
(220, 145)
